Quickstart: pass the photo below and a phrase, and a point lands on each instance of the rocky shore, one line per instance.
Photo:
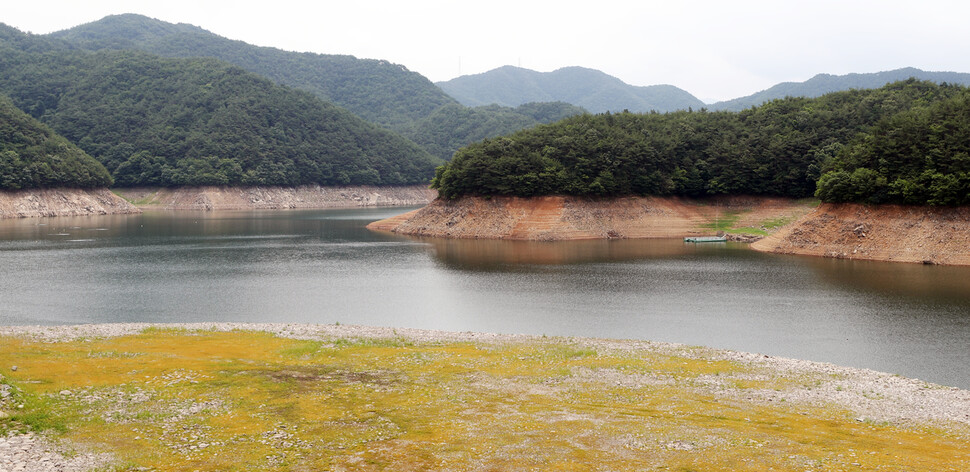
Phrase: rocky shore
(917, 234)
(275, 198)
(62, 202)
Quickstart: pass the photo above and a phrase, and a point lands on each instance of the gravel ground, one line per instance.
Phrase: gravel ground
(871, 396)
(30, 452)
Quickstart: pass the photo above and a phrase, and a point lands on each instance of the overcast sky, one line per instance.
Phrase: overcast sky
(716, 50)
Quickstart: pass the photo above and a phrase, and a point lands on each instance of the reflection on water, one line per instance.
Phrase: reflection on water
(323, 266)
(941, 283)
(482, 254)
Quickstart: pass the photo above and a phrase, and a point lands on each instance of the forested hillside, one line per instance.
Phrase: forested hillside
(919, 156)
(164, 121)
(33, 156)
(781, 148)
(379, 91)
(588, 88)
(453, 126)
(822, 84)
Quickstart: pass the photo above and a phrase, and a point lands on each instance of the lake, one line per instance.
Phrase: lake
(323, 266)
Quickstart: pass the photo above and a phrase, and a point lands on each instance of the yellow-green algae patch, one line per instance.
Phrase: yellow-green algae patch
(206, 400)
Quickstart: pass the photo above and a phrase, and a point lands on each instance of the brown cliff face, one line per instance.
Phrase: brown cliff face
(62, 202)
(919, 234)
(570, 218)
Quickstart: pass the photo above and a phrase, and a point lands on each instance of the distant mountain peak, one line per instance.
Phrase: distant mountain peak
(821, 84)
(591, 89)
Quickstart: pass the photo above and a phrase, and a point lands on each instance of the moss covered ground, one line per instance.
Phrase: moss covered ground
(185, 400)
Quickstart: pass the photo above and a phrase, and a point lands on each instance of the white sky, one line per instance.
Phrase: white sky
(716, 50)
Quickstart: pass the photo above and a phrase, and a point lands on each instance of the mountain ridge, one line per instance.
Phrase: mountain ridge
(378, 91)
(591, 89)
(154, 120)
(821, 84)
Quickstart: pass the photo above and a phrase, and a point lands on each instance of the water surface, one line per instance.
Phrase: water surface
(323, 266)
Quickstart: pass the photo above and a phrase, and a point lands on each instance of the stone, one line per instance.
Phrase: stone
(14, 368)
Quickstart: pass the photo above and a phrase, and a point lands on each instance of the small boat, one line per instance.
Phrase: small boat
(705, 239)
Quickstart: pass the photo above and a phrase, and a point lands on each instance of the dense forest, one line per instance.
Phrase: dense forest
(919, 156)
(378, 91)
(454, 126)
(33, 156)
(781, 148)
(164, 121)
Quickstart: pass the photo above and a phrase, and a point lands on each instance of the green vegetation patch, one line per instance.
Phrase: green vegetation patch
(903, 143)
(33, 156)
(188, 400)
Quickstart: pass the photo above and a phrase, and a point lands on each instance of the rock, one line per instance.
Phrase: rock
(4, 415)
(65, 393)
(14, 368)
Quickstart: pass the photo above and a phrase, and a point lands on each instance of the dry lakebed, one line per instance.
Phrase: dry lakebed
(223, 396)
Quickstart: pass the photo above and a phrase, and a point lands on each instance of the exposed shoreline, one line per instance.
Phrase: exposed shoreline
(210, 198)
(52, 202)
(559, 218)
(892, 233)
(876, 395)
(879, 403)
(34, 203)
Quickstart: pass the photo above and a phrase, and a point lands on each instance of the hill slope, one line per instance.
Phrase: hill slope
(378, 91)
(588, 88)
(164, 121)
(778, 149)
(822, 84)
(33, 156)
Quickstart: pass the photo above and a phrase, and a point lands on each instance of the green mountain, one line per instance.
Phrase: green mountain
(822, 84)
(32, 155)
(378, 91)
(917, 132)
(169, 121)
(587, 88)
(454, 126)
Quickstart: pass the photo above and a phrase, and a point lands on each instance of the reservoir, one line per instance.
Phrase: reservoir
(323, 266)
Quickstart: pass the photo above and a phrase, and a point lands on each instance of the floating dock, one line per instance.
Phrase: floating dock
(705, 239)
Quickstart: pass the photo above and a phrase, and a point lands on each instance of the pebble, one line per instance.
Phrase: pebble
(30, 452)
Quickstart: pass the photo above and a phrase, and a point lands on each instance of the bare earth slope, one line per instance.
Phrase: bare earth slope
(273, 198)
(62, 202)
(886, 233)
(568, 218)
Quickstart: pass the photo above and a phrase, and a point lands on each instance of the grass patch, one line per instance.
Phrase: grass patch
(148, 199)
(187, 400)
(723, 221)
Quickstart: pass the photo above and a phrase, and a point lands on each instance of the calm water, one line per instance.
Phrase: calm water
(324, 267)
